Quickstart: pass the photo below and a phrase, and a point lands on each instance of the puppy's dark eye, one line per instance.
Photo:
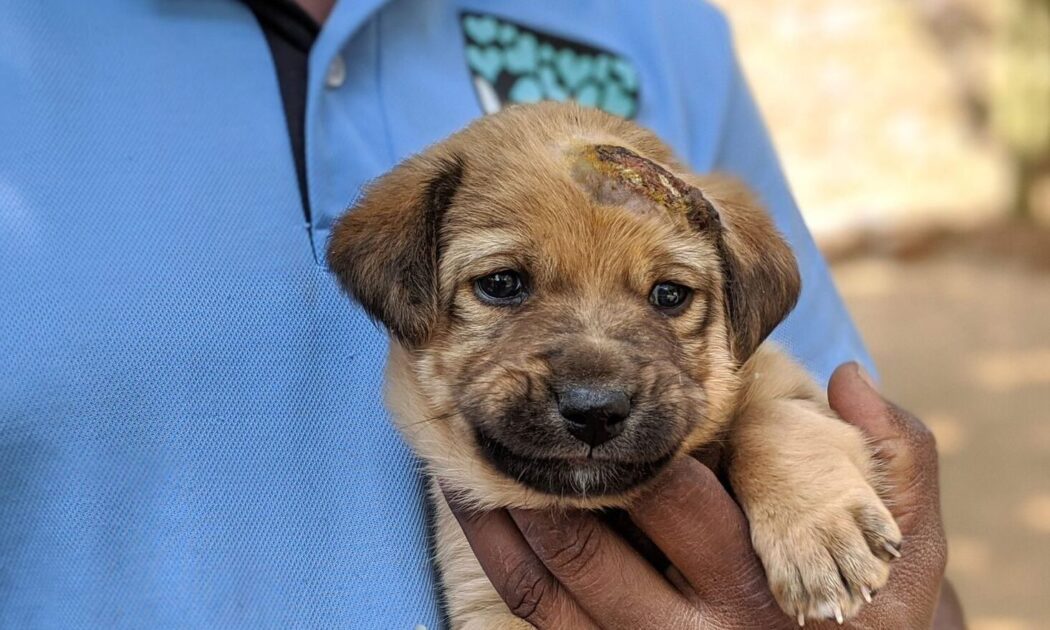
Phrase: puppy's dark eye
(501, 288)
(670, 296)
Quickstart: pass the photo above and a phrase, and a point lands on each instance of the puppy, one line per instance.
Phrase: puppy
(570, 310)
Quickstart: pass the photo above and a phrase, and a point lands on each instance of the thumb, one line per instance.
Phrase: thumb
(852, 394)
(905, 446)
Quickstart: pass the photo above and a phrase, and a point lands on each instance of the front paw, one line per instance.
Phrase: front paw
(825, 560)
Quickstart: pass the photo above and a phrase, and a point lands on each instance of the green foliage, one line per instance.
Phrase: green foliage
(1020, 99)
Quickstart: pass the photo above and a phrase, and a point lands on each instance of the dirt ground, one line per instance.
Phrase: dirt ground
(959, 326)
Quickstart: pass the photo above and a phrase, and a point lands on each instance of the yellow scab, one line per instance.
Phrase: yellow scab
(638, 174)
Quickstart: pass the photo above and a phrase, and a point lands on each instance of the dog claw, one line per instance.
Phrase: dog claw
(801, 620)
(891, 549)
(838, 615)
(865, 592)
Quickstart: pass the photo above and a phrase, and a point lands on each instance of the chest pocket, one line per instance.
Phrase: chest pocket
(511, 63)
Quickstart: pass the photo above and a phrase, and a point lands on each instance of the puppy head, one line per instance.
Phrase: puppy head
(571, 305)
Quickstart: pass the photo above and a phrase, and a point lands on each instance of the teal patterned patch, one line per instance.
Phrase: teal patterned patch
(512, 63)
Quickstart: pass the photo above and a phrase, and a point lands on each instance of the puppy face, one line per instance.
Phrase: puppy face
(573, 307)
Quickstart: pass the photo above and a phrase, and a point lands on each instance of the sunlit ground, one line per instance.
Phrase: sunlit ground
(961, 335)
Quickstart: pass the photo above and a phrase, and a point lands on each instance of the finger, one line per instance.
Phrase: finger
(527, 587)
(702, 531)
(909, 597)
(902, 442)
(909, 454)
(852, 394)
(606, 577)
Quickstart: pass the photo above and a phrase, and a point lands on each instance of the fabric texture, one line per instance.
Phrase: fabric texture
(192, 432)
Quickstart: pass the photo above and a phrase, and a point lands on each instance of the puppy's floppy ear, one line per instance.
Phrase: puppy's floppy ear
(385, 250)
(761, 277)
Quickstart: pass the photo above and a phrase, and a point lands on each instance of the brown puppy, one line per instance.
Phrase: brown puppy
(571, 309)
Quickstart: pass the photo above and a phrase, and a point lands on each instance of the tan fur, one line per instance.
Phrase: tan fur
(508, 193)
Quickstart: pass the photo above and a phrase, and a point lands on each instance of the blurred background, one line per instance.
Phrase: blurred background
(916, 135)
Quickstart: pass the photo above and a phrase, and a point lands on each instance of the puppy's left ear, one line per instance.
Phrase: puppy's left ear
(761, 276)
(385, 250)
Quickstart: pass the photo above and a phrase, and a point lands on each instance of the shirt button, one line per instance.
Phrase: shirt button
(336, 75)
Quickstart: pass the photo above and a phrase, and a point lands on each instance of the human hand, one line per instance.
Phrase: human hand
(569, 570)
(908, 453)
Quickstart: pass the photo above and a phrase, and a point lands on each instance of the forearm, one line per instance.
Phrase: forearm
(949, 615)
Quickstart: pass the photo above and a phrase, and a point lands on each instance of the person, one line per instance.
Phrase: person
(192, 431)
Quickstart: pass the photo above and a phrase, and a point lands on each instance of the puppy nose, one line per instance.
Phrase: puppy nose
(592, 414)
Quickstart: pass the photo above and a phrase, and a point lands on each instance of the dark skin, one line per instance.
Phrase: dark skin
(569, 570)
(317, 9)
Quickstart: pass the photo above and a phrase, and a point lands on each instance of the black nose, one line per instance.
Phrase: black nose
(592, 414)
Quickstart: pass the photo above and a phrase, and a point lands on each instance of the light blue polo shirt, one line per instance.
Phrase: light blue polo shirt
(191, 426)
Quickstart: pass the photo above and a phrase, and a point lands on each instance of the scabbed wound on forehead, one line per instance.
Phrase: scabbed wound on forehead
(616, 176)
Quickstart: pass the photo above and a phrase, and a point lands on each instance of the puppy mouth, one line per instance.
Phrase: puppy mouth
(579, 476)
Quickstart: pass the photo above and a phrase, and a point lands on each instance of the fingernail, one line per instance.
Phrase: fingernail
(864, 376)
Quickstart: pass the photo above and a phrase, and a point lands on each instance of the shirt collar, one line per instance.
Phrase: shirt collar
(346, 18)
